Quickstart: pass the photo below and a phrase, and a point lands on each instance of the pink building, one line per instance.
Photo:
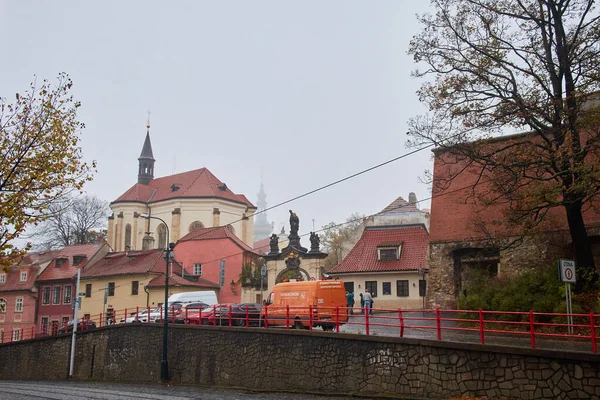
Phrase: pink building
(18, 296)
(57, 284)
(203, 251)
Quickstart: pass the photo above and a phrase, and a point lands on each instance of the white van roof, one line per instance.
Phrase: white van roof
(206, 296)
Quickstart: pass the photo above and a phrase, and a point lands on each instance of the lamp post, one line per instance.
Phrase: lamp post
(164, 364)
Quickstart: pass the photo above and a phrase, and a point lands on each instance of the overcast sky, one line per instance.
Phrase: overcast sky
(308, 92)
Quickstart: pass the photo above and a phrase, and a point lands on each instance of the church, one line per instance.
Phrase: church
(178, 204)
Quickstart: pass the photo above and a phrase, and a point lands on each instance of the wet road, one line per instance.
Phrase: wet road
(419, 325)
(21, 390)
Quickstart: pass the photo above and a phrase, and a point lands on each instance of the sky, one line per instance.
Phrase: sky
(302, 93)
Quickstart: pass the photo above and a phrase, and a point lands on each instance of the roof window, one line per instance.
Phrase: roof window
(60, 262)
(78, 260)
(388, 253)
(222, 187)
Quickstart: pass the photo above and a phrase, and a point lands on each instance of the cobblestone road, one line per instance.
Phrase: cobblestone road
(21, 390)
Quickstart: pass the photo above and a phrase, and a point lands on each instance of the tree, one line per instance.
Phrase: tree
(68, 222)
(41, 158)
(510, 65)
(337, 239)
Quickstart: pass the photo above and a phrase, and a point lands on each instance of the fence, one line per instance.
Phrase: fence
(435, 324)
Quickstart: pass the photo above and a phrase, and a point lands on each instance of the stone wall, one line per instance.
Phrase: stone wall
(443, 275)
(280, 360)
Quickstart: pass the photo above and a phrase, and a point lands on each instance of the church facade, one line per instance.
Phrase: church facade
(179, 204)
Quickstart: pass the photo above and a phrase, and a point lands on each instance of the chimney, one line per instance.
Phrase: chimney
(412, 198)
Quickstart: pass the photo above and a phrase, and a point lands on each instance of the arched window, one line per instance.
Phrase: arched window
(162, 236)
(128, 236)
(196, 225)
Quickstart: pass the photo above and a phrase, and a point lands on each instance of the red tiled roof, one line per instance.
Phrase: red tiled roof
(262, 246)
(67, 270)
(30, 263)
(363, 256)
(197, 183)
(399, 205)
(126, 263)
(219, 232)
(176, 280)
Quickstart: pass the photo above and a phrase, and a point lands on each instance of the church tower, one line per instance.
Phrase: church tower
(146, 160)
(262, 227)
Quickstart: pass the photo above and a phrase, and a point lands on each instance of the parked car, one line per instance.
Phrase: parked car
(206, 314)
(188, 310)
(82, 325)
(152, 315)
(237, 313)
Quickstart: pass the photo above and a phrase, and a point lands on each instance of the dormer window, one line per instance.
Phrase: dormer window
(78, 260)
(388, 253)
(59, 262)
(175, 187)
(222, 187)
(23, 276)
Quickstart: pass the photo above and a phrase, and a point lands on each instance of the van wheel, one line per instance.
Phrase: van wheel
(240, 322)
(205, 322)
(327, 328)
(298, 324)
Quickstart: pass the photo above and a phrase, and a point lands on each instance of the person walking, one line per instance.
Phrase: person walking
(362, 304)
(368, 302)
(350, 301)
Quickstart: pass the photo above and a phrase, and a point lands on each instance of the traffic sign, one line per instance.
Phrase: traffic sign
(82, 294)
(222, 274)
(263, 270)
(566, 269)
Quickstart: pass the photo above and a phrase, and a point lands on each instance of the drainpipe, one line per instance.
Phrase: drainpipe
(147, 297)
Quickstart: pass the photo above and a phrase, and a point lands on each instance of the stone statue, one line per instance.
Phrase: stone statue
(294, 224)
(315, 241)
(274, 244)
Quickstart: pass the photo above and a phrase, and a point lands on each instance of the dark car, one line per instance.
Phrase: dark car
(239, 313)
(82, 325)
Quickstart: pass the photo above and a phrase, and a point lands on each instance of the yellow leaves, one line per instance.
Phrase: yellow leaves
(39, 136)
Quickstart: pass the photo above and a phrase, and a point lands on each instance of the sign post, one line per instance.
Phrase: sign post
(221, 284)
(263, 273)
(566, 271)
(76, 307)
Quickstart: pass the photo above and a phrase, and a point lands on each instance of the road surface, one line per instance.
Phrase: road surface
(21, 390)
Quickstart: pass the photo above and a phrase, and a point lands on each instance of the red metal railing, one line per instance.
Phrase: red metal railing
(450, 325)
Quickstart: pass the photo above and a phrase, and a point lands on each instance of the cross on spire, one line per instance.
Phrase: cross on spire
(148, 122)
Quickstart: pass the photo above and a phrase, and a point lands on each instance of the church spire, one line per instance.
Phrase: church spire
(146, 159)
(262, 227)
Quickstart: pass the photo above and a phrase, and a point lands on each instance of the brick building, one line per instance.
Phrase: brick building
(468, 235)
(57, 284)
(18, 296)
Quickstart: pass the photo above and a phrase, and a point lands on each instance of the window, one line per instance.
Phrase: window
(23, 276)
(67, 295)
(19, 304)
(387, 253)
(2, 306)
(387, 288)
(2, 278)
(88, 290)
(197, 269)
(59, 262)
(196, 225)
(65, 321)
(16, 334)
(162, 236)
(135, 285)
(46, 295)
(422, 287)
(128, 236)
(78, 260)
(349, 286)
(56, 295)
(111, 288)
(44, 325)
(371, 286)
(402, 288)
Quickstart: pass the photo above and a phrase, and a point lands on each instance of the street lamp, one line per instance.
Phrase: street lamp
(164, 365)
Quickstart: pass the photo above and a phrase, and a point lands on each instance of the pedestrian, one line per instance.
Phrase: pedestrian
(368, 302)
(350, 301)
(362, 304)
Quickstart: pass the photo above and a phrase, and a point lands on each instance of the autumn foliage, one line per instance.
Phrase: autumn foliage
(41, 158)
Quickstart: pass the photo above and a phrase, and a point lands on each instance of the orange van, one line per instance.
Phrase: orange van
(300, 304)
